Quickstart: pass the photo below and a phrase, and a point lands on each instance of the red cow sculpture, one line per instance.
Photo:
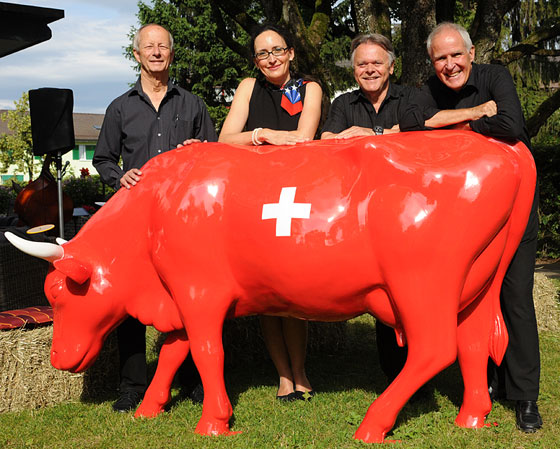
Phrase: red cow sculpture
(416, 229)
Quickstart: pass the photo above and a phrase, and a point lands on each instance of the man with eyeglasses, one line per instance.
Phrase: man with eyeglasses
(153, 117)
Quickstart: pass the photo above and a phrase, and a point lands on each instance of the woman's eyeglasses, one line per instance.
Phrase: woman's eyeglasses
(278, 51)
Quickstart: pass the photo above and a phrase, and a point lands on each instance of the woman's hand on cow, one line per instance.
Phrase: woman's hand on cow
(274, 137)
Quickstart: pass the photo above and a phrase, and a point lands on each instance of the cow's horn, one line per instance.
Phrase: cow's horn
(42, 250)
(61, 241)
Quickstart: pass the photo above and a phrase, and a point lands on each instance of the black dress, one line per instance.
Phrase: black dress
(265, 110)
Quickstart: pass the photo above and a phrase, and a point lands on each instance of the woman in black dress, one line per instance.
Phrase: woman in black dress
(277, 109)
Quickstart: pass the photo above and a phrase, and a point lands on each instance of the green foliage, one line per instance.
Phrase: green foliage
(17, 148)
(7, 198)
(547, 159)
(546, 149)
(86, 190)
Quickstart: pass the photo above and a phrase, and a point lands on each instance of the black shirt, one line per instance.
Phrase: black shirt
(486, 82)
(134, 129)
(354, 109)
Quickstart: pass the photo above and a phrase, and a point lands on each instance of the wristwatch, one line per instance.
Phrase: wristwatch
(378, 130)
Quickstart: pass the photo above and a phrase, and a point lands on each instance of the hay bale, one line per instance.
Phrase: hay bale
(27, 379)
(244, 344)
(546, 297)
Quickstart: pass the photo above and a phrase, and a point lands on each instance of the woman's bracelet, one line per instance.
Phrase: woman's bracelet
(254, 137)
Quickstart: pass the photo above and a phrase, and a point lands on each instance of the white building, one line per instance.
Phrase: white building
(86, 133)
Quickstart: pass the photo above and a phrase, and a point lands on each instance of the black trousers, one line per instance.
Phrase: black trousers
(131, 337)
(391, 356)
(519, 374)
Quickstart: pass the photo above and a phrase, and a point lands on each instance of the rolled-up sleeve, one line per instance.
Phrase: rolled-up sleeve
(508, 122)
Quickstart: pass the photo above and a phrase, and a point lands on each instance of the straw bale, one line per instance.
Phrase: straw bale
(27, 379)
(244, 344)
(546, 296)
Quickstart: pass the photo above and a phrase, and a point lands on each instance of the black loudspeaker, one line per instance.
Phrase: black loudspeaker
(52, 127)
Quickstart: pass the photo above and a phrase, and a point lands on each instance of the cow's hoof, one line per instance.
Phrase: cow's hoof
(470, 421)
(214, 428)
(369, 437)
(148, 412)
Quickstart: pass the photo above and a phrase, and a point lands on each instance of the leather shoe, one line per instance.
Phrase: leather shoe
(528, 417)
(127, 401)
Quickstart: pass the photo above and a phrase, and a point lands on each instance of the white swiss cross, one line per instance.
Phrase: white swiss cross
(285, 210)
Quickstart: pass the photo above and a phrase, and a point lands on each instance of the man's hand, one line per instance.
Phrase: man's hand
(130, 178)
(354, 131)
(458, 117)
(488, 109)
(189, 141)
(393, 130)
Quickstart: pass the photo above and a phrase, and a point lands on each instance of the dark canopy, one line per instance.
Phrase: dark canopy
(23, 26)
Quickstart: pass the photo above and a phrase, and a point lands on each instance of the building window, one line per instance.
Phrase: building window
(83, 152)
(90, 149)
(8, 178)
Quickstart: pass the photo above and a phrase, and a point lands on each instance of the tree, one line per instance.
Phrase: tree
(212, 55)
(17, 148)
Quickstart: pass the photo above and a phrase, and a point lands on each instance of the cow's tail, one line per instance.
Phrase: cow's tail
(517, 223)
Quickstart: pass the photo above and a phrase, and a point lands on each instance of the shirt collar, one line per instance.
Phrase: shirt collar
(358, 95)
(472, 81)
(137, 89)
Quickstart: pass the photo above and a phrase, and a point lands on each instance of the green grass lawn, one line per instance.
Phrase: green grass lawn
(346, 384)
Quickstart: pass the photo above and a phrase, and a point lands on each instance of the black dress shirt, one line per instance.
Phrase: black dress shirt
(486, 82)
(354, 109)
(133, 129)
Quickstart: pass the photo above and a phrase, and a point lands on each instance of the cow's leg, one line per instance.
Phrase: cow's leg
(473, 342)
(204, 319)
(429, 320)
(173, 352)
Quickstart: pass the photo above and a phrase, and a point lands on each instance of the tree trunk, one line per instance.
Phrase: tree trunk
(487, 26)
(419, 18)
(372, 16)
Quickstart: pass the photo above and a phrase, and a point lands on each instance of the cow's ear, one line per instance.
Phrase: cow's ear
(76, 270)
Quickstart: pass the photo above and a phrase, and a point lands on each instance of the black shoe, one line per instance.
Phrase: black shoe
(528, 417)
(302, 395)
(286, 397)
(127, 401)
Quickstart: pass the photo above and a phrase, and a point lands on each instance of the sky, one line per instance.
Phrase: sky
(85, 54)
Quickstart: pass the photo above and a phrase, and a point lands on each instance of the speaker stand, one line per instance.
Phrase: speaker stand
(58, 162)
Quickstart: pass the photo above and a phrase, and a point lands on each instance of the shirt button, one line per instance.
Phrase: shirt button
(159, 134)
(159, 151)
(158, 118)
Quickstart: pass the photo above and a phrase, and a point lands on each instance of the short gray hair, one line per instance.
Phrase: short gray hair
(136, 40)
(373, 38)
(449, 25)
